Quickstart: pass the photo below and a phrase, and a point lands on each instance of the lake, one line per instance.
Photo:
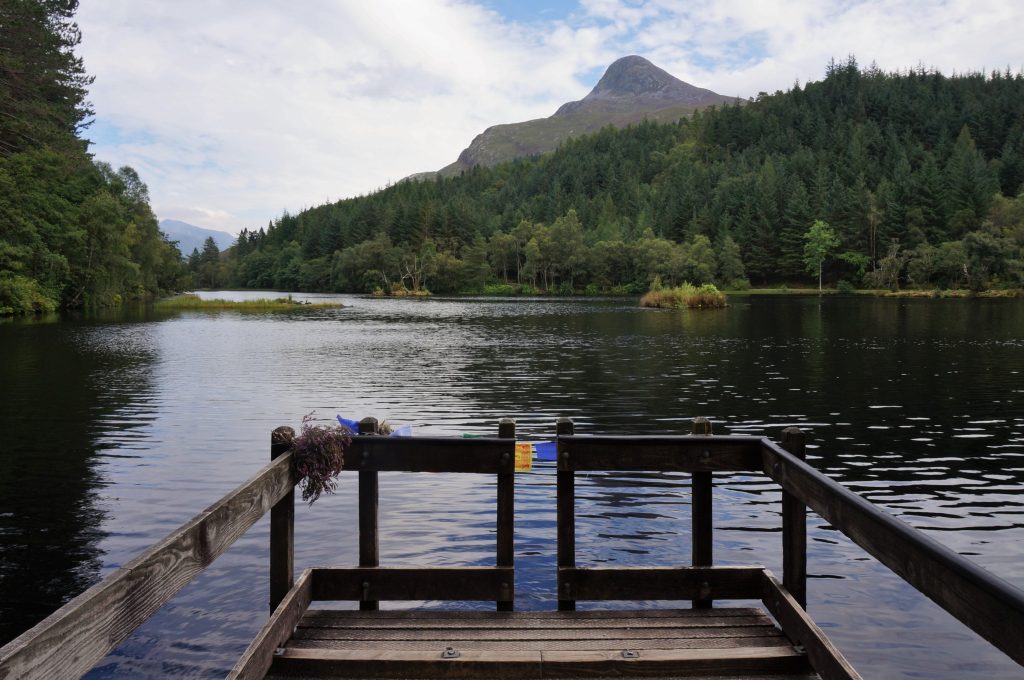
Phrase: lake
(119, 427)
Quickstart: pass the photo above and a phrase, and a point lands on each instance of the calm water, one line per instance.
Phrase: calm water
(118, 429)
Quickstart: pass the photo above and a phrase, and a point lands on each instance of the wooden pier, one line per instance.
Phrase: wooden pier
(764, 631)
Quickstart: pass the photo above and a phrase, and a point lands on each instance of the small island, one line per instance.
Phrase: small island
(706, 296)
(193, 301)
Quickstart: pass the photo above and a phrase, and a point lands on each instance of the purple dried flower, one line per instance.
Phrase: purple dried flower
(318, 455)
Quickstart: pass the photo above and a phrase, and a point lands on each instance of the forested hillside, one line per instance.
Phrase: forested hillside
(73, 232)
(917, 173)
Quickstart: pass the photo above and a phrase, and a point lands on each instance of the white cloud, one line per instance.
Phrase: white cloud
(234, 112)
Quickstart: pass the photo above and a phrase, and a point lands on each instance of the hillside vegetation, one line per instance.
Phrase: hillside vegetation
(917, 173)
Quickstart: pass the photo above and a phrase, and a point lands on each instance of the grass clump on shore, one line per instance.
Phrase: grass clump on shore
(705, 296)
(193, 301)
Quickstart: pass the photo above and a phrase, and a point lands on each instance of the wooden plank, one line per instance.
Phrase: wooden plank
(369, 502)
(825, 657)
(71, 640)
(632, 633)
(777, 639)
(407, 664)
(259, 656)
(794, 526)
(985, 603)
(282, 527)
(674, 662)
(702, 528)
(565, 514)
(662, 583)
(701, 516)
(668, 453)
(399, 583)
(557, 617)
(504, 623)
(430, 454)
(505, 526)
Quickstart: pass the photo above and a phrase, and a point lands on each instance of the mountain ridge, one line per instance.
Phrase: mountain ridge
(190, 237)
(631, 89)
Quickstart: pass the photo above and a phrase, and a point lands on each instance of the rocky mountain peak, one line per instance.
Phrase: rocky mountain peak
(634, 76)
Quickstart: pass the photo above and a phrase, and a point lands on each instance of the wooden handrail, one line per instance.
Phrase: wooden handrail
(988, 605)
(664, 453)
(69, 642)
(489, 455)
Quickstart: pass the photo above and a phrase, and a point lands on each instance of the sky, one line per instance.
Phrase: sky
(235, 112)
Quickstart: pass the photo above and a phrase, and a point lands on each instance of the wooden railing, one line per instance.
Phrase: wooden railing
(991, 607)
(988, 605)
(74, 638)
(369, 582)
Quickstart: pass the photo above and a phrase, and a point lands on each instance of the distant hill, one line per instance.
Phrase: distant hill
(631, 90)
(190, 237)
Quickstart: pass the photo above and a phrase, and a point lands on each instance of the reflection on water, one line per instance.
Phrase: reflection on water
(118, 429)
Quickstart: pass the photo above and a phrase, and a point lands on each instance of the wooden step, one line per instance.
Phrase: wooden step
(727, 642)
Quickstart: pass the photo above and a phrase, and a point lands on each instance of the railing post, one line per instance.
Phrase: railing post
(282, 527)
(506, 515)
(566, 517)
(701, 531)
(369, 544)
(794, 527)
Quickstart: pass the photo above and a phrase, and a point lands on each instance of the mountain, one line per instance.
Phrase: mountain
(190, 237)
(632, 89)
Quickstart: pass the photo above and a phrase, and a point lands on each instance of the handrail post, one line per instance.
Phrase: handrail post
(794, 526)
(701, 531)
(566, 517)
(505, 529)
(282, 527)
(369, 543)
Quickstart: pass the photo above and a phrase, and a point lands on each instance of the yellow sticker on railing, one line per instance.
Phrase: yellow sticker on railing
(524, 456)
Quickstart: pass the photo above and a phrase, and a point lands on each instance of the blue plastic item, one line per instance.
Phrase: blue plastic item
(545, 450)
(350, 424)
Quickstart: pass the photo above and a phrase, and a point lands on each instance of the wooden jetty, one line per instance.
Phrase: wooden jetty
(770, 635)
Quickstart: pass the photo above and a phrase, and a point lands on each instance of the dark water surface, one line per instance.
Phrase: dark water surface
(118, 429)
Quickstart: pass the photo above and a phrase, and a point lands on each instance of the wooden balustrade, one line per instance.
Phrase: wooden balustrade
(71, 640)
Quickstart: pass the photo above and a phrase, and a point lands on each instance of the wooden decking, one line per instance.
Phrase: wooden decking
(300, 642)
(548, 644)
(737, 640)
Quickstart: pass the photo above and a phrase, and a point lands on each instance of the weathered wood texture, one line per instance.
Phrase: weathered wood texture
(565, 512)
(988, 605)
(402, 583)
(663, 583)
(71, 640)
(702, 539)
(255, 662)
(340, 663)
(794, 526)
(826, 659)
(667, 453)
(369, 537)
(505, 529)
(537, 644)
(282, 527)
(488, 455)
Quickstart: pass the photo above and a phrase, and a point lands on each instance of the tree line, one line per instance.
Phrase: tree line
(917, 173)
(73, 232)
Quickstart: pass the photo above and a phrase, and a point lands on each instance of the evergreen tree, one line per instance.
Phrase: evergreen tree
(730, 265)
(43, 85)
(796, 220)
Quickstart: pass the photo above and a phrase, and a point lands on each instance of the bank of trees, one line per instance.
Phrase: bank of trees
(922, 163)
(73, 232)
